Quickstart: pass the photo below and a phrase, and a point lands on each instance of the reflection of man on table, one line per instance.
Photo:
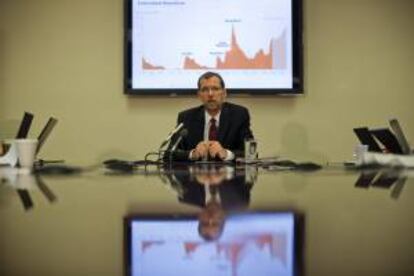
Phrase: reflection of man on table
(212, 217)
(216, 182)
(217, 190)
(216, 129)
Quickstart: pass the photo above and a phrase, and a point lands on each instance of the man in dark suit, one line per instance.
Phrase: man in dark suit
(216, 129)
(217, 189)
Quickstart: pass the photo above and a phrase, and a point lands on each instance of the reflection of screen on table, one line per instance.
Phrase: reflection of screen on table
(251, 244)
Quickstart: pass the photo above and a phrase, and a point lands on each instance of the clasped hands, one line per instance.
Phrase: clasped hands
(210, 149)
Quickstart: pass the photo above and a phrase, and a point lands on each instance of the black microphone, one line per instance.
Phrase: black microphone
(169, 153)
(183, 133)
(171, 134)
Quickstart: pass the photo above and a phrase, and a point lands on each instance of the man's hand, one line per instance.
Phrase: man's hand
(216, 150)
(209, 148)
(210, 176)
(200, 151)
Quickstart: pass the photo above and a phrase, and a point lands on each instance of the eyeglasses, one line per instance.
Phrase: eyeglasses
(213, 89)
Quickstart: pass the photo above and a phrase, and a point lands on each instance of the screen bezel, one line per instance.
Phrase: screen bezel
(297, 62)
(298, 235)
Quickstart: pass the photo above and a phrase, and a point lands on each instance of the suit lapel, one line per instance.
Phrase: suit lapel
(199, 125)
(224, 122)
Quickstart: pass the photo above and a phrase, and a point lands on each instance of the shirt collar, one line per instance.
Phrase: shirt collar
(208, 117)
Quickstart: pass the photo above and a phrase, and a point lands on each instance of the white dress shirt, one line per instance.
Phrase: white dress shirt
(207, 118)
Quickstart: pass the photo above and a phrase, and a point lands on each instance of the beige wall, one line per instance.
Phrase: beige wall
(65, 58)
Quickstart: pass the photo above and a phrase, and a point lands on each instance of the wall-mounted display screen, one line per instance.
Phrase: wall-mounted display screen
(250, 244)
(255, 45)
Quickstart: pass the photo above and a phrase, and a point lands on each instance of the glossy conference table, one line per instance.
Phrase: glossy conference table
(352, 222)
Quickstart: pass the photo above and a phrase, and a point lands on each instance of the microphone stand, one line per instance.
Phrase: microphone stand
(173, 148)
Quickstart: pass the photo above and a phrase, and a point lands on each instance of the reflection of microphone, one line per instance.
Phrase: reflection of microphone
(171, 134)
(183, 133)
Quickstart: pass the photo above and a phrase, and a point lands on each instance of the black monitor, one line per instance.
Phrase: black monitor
(44, 134)
(25, 125)
(255, 45)
(365, 137)
(388, 139)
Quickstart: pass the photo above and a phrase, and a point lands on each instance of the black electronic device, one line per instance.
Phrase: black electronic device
(365, 178)
(285, 163)
(308, 166)
(388, 139)
(25, 125)
(399, 134)
(256, 46)
(44, 134)
(58, 169)
(25, 198)
(366, 138)
(385, 180)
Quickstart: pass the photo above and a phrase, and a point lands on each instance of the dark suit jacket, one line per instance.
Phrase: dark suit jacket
(234, 128)
(234, 193)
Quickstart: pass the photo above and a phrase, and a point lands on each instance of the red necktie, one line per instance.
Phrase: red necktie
(212, 133)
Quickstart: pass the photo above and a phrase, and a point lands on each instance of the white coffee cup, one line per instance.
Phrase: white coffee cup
(26, 152)
(359, 153)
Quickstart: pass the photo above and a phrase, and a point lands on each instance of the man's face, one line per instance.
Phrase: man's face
(211, 221)
(211, 94)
